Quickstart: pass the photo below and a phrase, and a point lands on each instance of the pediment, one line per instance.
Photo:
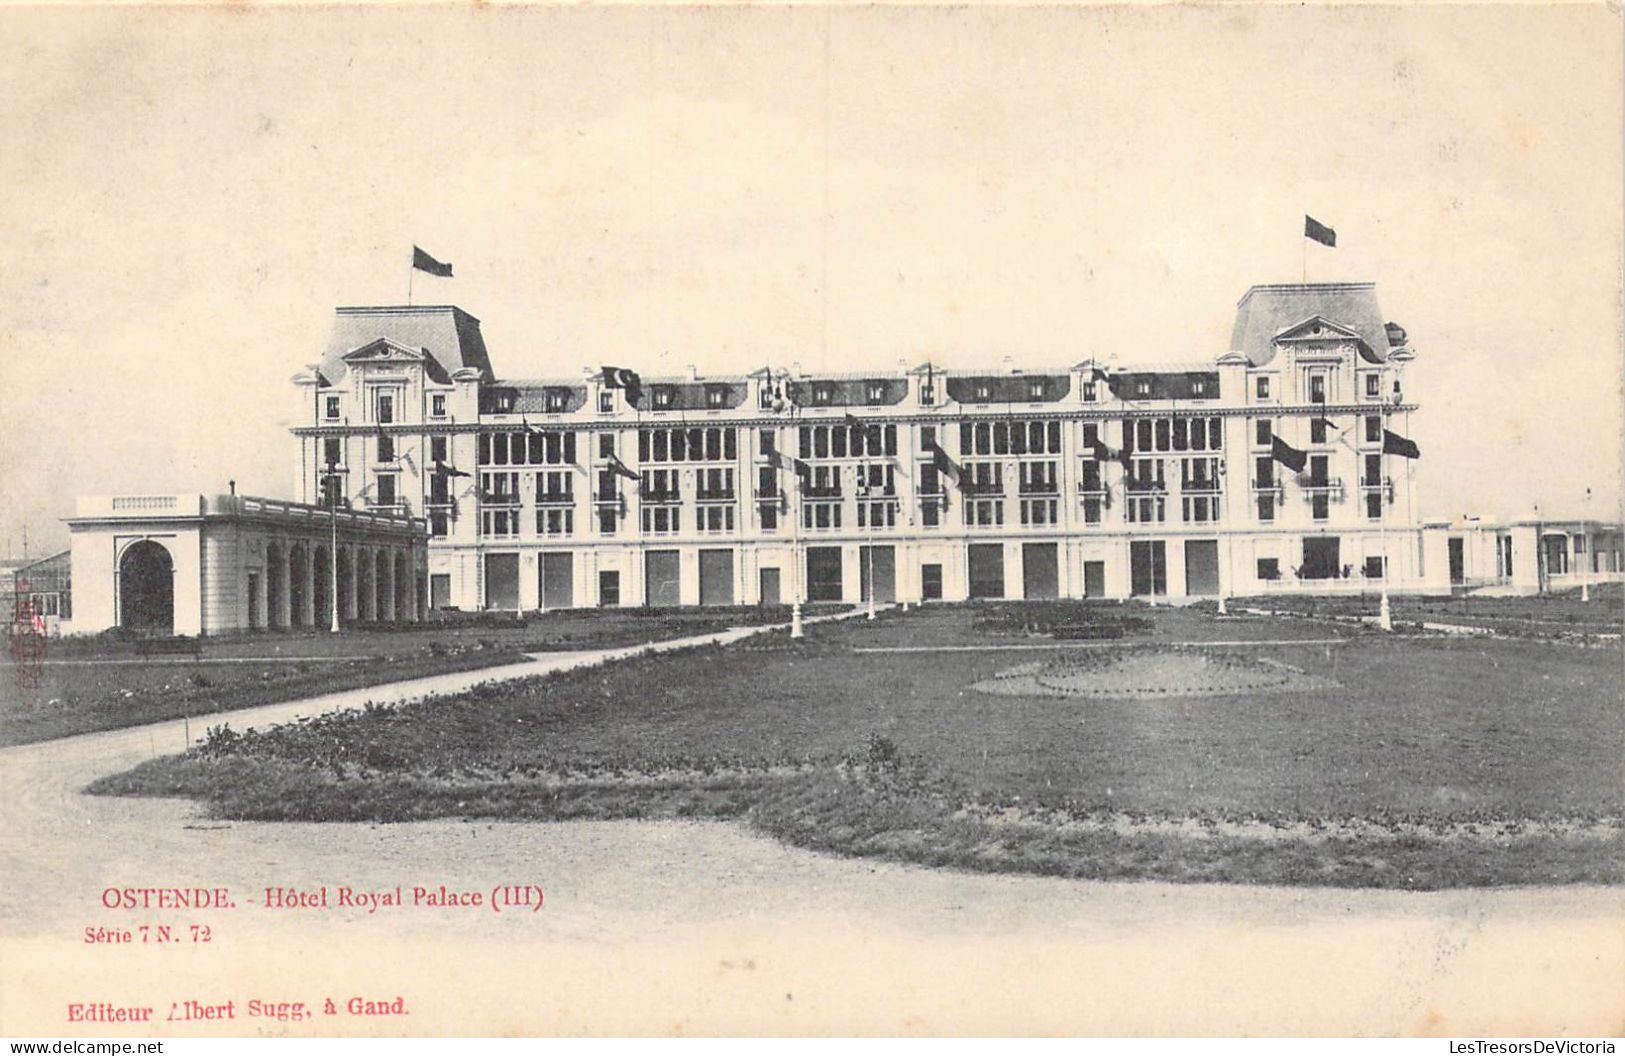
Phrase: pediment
(1317, 328)
(383, 350)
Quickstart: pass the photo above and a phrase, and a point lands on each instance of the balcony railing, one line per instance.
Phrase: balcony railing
(1045, 489)
(665, 496)
(1332, 488)
(498, 498)
(983, 489)
(825, 491)
(555, 498)
(716, 495)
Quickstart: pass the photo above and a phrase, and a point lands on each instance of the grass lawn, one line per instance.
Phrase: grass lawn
(1432, 763)
(1561, 615)
(102, 683)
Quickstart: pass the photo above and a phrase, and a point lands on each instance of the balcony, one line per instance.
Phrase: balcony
(1039, 489)
(490, 499)
(555, 498)
(983, 489)
(661, 497)
(1331, 488)
(1384, 485)
(825, 491)
(716, 495)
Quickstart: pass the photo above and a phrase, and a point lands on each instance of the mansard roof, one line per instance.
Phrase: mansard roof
(448, 335)
(1266, 314)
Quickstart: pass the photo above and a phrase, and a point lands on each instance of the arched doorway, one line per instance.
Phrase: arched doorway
(382, 611)
(276, 571)
(147, 589)
(323, 584)
(346, 585)
(403, 590)
(298, 595)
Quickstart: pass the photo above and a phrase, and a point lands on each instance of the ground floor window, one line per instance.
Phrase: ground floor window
(662, 519)
(497, 524)
(555, 521)
(1038, 511)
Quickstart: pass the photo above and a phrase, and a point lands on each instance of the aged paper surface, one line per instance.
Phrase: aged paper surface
(190, 191)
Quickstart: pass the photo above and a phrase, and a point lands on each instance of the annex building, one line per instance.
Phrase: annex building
(1282, 462)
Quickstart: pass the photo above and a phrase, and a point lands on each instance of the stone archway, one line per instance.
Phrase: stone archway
(298, 586)
(403, 590)
(276, 586)
(381, 586)
(147, 588)
(322, 587)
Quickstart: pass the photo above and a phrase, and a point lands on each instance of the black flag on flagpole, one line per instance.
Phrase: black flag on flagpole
(1318, 231)
(423, 262)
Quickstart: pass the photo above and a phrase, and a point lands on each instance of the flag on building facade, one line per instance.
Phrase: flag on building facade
(1319, 232)
(622, 378)
(1287, 455)
(943, 464)
(1394, 444)
(620, 468)
(450, 471)
(423, 262)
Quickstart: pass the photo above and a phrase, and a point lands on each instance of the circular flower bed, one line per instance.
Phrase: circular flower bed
(1153, 673)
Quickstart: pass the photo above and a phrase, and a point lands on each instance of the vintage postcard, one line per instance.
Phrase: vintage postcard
(811, 520)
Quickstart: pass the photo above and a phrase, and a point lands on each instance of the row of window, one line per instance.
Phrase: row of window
(713, 444)
(842, 441)
(1009, 438)
(1320, 430)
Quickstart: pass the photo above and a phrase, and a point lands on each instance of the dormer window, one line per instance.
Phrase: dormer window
(877, 391)
(764, 396)
(1373, 386)
(332, 406)
(554, 401)
(1035, 390)
(606, 401)
(502, 401)
(716, 395)
(928, 394)
(1142, 387)
(1262, 388)
(984, 391)
(663, 396)
(437, 404)
(1090, 393)
(823, 393)
(1198, 386)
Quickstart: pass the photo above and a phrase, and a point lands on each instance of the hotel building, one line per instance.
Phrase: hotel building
(1275, 463)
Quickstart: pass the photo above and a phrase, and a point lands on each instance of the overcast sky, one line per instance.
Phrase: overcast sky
(185, 195)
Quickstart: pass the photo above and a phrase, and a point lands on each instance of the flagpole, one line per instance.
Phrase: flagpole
(410, 268)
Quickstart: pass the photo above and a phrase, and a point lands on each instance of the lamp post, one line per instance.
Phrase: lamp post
(1585, 573)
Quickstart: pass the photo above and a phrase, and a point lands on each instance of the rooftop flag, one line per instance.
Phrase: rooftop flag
(1394, 444)
(1318, 231)
(423, 262)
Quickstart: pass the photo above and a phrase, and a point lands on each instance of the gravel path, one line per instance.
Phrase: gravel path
(704, 928)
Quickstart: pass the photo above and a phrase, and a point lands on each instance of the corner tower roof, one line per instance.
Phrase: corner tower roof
(1264, 312)
(449, 335)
